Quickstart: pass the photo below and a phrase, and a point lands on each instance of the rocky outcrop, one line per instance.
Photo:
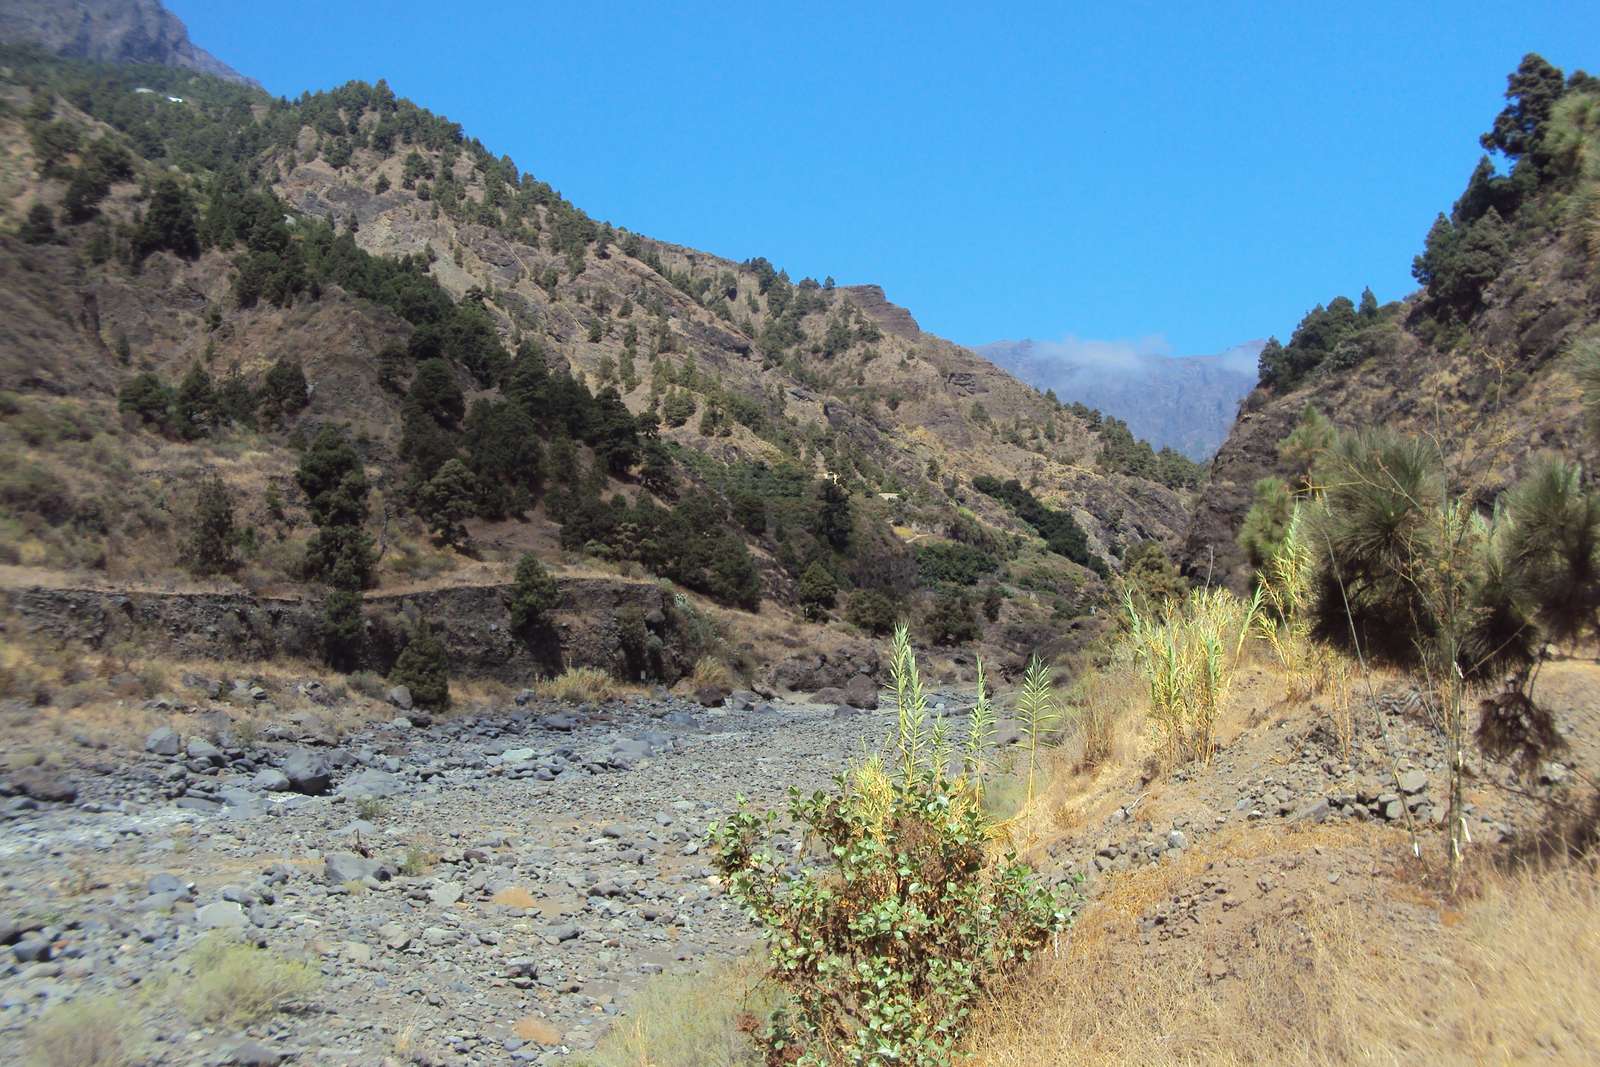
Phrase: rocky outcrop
(113, 31)
(630, 629)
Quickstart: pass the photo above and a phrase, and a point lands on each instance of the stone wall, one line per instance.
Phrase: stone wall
(628, 628)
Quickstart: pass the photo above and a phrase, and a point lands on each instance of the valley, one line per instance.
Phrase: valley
(440, 626)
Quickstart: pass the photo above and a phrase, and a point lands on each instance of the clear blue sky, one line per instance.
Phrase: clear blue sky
(1204, 172)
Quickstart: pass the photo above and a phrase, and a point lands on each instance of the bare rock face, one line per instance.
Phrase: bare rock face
(114, 31)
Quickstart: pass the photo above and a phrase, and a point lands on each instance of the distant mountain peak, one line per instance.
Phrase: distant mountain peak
(1185, 402)
(110, 31)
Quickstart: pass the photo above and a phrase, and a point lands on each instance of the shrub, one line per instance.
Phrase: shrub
(209, 546)
(817, 592)
(885, 948)
(343, 630)
(1266, 522)
(1188, 657)
(424, 668)
(236, 984)
(955, 563)
(870, 610)
(92, 1032)
(534, 594)
(147, 397)
(950, 620)
(39, 227)
(710, 672)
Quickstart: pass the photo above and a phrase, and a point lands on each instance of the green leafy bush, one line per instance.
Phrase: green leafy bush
(817, 592)
(885, 948)
(534, 594)
(955, 563)
(424, 668)
(871, 610)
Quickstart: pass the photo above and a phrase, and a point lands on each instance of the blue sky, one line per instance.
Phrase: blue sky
(1201, 174)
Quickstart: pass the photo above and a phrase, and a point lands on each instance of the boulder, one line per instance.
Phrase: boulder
(201, 749)
(42, 783)
(1413, 782)
(308, 773)
(710, 696)
(221, 915)
(861, 692)
(341, 867)
(829, 695)
(163, 741)
(400, 697)
(271, 780)
(371, 785)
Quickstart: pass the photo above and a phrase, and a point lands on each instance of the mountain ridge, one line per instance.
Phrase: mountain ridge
(1181, 402)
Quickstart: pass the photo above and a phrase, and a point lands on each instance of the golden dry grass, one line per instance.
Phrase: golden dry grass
(577, 685)
(1509, 979)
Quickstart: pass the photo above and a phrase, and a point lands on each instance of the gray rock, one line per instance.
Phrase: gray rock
(394, 936)
(32, 950)
(445, 893)
(861, 692)
(1176, 839)
(341, 867)
(710, 696)
(163, 741)
(400, 697)
(255, 1054)
(1317, 811)
(44, 784)
(201, 749)
(169, 883)
(221, 915)
(1413, 782)
(517, 755)
(271, 780)
(371, 785)
(308, 773)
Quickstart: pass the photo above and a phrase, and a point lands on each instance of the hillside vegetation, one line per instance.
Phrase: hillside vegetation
(397, 358)
(1477, 360)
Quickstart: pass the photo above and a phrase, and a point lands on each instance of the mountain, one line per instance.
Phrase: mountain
(1181, 402)
(1479, 361)
(111, 31)
(200, 282)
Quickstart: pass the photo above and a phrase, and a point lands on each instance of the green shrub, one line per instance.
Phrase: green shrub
(343, 631)
(817, 592)
(950, 620)
(209, 546)
(424, 668)
(955, 563)
(871, 610)
(534, 594)
(885, 948)
(1266, 522)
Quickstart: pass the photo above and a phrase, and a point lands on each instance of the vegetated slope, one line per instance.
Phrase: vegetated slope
(1474, 359)
(515, 376)
(113, 31)
(1182, 402)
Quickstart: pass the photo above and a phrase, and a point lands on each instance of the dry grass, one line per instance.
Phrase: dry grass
(97, 1032)
(1510, 980)
(688, 1021)
(237, 984)
(709, 671)
(577, 685)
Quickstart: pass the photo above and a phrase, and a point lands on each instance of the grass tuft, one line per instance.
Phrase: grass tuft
(236, 984)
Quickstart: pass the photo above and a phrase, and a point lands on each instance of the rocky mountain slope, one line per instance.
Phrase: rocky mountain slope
(202, 233)
(1477, 360)
(1182, 402)
(112, 31)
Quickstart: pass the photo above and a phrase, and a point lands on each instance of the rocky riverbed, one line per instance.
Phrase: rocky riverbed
(487, 889)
